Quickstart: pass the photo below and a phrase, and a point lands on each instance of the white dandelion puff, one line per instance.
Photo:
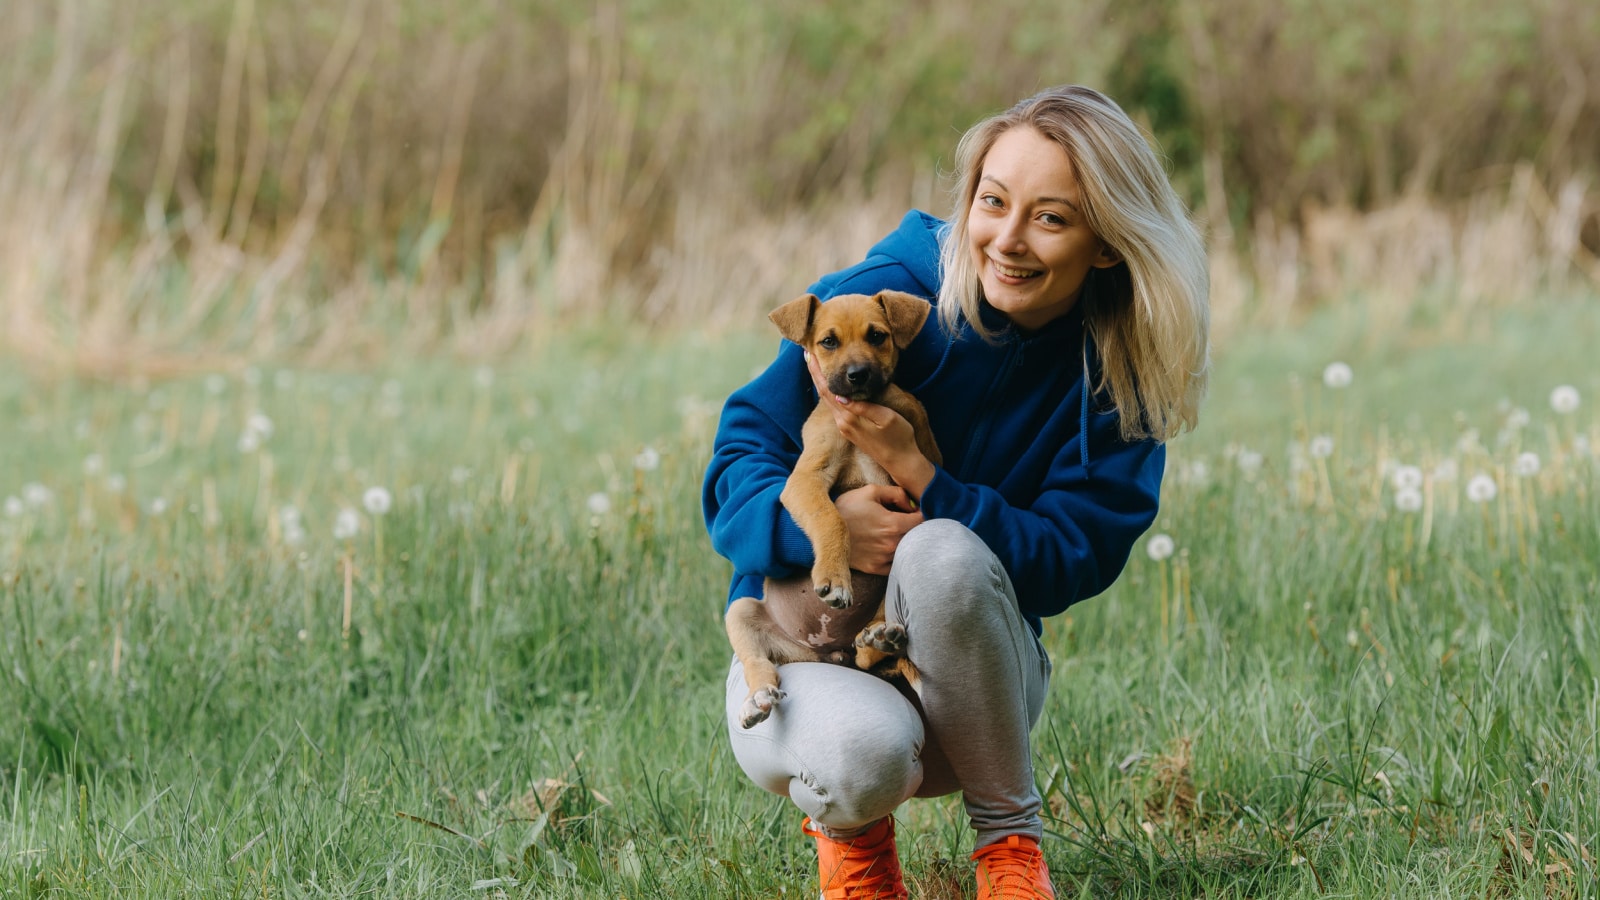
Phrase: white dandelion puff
(647, 460)
(116, 482)
(1481, 489)
(1338, 375)
(1321, 446)
(1527, 464)
(1160, 546)
(93, 464)
(289, 515)
(346, 524)
(1249, 461)
(1406, 478)
(1517, 419)
(249, 442)
(36, 495)
(260, 424)
(377, 500)
(599, 503)
(158, 506)
(14, 507)
(1564, 399)
(1408, 500)
(293, 534)
(460, 474)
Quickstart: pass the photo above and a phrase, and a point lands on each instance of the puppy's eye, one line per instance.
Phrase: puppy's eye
(829, 343)
(876, 337)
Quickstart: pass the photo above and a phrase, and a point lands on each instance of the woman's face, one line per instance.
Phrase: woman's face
(1027, 234)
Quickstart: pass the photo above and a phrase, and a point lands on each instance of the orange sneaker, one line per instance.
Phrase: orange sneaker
(864, 867)
(1013, 869)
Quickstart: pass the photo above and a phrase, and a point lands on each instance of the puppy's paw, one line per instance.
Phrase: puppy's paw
(885, 637)
(832, 585)
(758, 706)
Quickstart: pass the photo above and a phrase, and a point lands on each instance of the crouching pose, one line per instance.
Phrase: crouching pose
(1068, 341)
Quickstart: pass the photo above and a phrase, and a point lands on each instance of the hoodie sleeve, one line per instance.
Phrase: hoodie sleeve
(1073, 540)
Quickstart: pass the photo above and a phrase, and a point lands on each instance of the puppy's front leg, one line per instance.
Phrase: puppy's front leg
(806, 498)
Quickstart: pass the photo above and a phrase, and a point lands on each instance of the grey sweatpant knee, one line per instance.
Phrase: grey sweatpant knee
(848, 748)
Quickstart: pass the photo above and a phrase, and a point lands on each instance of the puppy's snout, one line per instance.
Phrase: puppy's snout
(858, 375)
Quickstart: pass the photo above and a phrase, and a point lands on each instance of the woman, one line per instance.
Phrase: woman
(1069, 341)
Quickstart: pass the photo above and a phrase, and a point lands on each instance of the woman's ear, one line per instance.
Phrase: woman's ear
(1106, 257)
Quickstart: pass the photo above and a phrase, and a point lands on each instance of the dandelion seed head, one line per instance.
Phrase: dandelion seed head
(1159, 546)
(1353, 638)
(1249, 461)
(599, 503)
(303, 635)
(347, 524)
(1481, 489)
(293, 534)
(93, 464)
(1321, 446)
(1406, 477)
(259, 423)
(289, 514)
(1564, 399)
(647, 460)
(1337, 375)
(36, 495)
(460, 474)
(158, 506)
(1580, 445)
(14, 506)
(116, 482)
(1517, 418)
(1527, 464)
(377, 500)
(249, 441)
(1408, 499)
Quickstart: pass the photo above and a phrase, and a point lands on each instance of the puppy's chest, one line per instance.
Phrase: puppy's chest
(857, 470)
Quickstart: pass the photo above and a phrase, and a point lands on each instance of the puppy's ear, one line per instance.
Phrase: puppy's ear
(794, 318)
(906, 314)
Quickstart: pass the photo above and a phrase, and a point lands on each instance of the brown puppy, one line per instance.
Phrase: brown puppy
(856, 340)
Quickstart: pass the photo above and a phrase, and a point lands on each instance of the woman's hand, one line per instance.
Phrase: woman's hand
(878, 517)
(879, 432)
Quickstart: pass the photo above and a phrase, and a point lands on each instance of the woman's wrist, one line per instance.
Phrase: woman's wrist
(914, 475)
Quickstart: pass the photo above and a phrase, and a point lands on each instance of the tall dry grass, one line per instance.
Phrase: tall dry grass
(197, 182)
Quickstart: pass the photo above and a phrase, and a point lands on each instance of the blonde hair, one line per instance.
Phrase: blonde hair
(1148, 316)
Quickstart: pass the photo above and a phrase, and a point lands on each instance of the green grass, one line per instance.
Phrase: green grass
(1316, 695)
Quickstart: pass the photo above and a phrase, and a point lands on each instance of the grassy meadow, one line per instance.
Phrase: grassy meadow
(359, 364)
(509, 682)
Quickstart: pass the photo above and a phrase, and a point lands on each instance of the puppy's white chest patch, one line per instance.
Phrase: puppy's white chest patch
(868, 472)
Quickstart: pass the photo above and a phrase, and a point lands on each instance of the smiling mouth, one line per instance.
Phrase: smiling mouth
(1011, 272)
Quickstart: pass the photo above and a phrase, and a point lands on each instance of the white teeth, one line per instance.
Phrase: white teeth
(1013, 273)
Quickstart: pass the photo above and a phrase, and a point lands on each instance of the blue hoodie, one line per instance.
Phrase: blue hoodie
(1033, 463)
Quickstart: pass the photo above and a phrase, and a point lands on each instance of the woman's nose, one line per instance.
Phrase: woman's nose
(1009, 241)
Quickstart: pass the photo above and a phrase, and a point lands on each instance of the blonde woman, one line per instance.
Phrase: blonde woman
(1070, 342)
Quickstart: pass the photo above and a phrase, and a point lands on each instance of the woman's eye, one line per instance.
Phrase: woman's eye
(990, 200)
(1053, 220)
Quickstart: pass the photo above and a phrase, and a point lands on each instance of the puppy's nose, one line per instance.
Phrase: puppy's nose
(857, 375)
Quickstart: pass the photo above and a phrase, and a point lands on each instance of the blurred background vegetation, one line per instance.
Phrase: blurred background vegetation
(191, 182)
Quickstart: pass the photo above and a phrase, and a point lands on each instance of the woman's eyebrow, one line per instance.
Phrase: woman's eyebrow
(1061, 200)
